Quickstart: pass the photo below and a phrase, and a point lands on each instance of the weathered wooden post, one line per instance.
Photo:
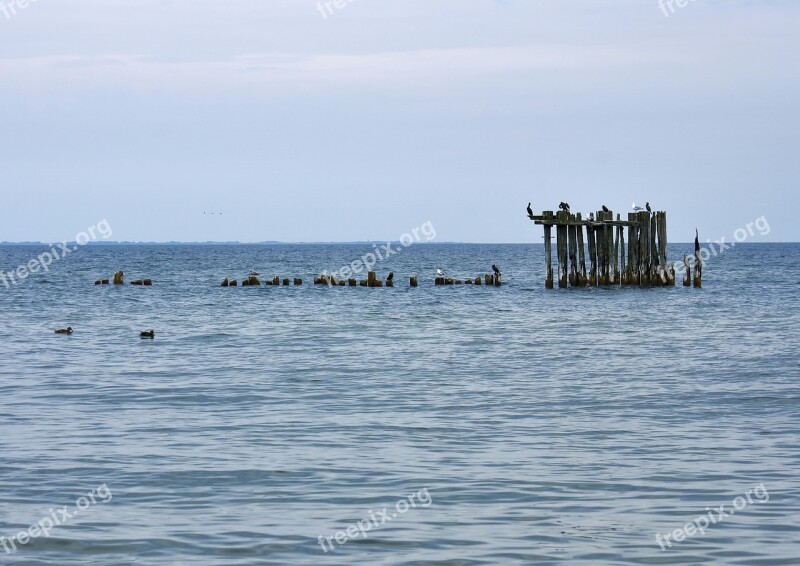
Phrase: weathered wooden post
(662, 249)
(687, 272)
(572, 234)
(622, 264)
(617, 229)
(413, 281)
(609, 216)
(644, 249)
(548, 249)
(698, 261)
(633, 249)
(591, 237)
(581, 254)
(561, 244)
(371, 279)
(655, 279)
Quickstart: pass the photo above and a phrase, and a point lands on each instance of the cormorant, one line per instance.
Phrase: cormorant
(496, 271)
(530, 212)
(647, 206)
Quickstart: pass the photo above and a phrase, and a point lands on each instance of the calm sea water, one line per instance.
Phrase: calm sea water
(545, 426)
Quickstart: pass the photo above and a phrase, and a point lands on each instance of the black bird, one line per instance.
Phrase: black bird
(566, 206)
(67, 330)
(605, 208)
(148, 334)
(496, 271)
(391, 276)
(530, 212)
(647, 206)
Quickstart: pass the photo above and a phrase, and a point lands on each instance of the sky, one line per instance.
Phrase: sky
(297, 122)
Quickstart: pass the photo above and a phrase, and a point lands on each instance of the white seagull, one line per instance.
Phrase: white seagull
(439, 272)
(636, 208)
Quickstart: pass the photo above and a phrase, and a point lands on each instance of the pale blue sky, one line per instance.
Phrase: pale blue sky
(385, 115)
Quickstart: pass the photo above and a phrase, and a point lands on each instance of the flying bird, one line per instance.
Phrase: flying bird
(496, 271)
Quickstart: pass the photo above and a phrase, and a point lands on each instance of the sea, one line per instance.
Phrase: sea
(437, 425)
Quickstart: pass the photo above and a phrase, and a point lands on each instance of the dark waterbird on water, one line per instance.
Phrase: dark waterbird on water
(67, 330)
(496, 271)
(147, 334)
(530, 211)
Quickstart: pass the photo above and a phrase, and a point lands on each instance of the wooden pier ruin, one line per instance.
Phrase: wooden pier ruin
(645, 262)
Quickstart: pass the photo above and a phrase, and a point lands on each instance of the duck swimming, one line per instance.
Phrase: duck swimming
(67, 330)
(147, 334)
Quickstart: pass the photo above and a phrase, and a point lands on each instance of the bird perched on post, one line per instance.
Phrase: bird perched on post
(605, 208)
(439, 272)
(647, 206)
(530, 212)
(391, 276)
(496, 271)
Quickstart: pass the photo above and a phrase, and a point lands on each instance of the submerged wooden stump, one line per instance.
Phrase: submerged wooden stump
(412, 281)
(698, 262)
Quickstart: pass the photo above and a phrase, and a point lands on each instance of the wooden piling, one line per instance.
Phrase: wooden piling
(371, 279)
(687, 272)
(644, 249)
(478, 280)
(352, 282)
(572, 246)
(633, 249)
(581, 254)
(298, 281)
(561, 245)
(609, 216)
(225, 282)
(276, 280)
(618, 230)
(655, 266)
(698, 262)
(413, 281)
(591, 234)
(621, 253)
(548, 245)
